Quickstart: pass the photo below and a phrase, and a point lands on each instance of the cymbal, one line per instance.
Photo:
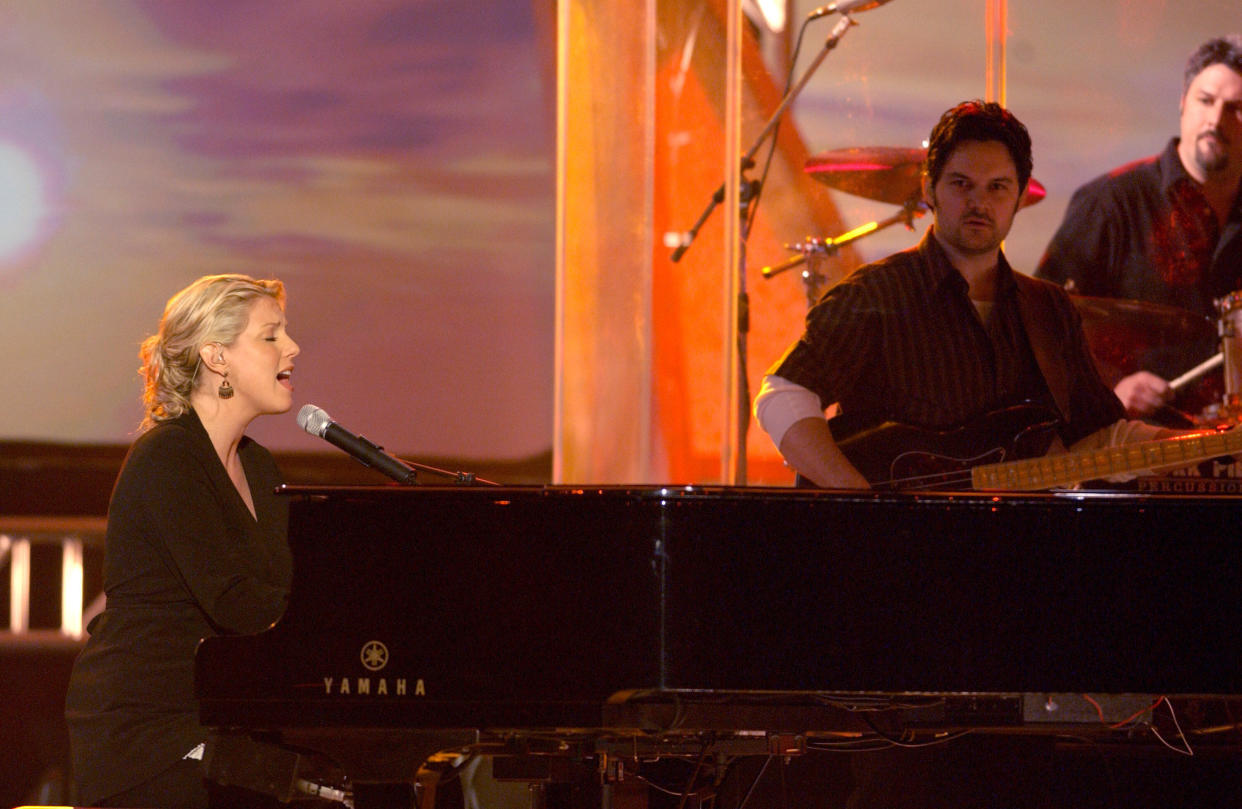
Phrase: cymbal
(884, 173)
(1168, 323)
(1121, 331)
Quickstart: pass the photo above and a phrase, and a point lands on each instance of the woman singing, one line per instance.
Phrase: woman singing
(196, 542)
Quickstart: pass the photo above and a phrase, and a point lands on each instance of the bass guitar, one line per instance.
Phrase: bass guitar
(1005, 451)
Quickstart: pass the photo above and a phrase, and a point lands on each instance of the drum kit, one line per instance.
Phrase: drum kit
(1118, 331)
(890, 174)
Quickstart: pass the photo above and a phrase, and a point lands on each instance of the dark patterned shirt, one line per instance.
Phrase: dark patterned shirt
(1146, 232)
(900, 340)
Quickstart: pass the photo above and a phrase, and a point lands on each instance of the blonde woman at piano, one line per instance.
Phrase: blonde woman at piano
(196, 542)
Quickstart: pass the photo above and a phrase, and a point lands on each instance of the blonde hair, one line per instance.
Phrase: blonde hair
(213, 309)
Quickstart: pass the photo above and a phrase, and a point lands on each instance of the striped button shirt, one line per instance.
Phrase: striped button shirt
(900, 340)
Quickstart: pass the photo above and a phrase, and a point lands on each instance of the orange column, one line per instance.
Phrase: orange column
(641, 340)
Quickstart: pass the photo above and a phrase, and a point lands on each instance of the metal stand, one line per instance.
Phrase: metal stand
(459, 478)
(1229, 409)
(828, 247)
(748, 192)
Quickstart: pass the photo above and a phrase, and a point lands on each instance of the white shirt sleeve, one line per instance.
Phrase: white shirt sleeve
(781, 403)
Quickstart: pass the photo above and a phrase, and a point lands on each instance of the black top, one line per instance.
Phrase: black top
(184, 560)
(900, 340)
(1146, 232)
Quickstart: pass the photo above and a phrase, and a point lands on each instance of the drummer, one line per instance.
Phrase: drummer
(1166, 229)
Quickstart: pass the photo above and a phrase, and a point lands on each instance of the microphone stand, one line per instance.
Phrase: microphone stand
(748, 192)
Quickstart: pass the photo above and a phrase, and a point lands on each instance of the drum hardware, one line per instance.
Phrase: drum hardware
(1229, 409)
(1230, 309)
(812, 279)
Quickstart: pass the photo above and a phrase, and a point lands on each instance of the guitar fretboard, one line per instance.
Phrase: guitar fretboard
(1068, 469)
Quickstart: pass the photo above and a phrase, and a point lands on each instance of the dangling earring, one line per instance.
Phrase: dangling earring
(225, 391)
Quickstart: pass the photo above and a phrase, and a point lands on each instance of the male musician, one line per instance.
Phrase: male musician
(942, 334)
(1167, 229)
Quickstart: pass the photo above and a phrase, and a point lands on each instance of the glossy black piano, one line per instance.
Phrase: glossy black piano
(423, 618)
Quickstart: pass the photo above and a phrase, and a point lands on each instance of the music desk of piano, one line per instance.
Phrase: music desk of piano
(607, 624)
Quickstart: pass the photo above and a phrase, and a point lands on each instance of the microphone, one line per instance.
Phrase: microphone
(316, 421)
(844, 7)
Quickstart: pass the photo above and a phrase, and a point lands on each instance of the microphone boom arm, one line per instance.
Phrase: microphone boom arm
(460, 478)
(317, 422)
(748, 159)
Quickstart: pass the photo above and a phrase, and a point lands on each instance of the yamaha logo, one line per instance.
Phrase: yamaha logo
(374, 655)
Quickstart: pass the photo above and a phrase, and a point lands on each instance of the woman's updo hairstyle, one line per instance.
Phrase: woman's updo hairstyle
(213, 309)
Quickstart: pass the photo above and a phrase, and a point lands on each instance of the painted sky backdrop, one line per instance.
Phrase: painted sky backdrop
(392, 161)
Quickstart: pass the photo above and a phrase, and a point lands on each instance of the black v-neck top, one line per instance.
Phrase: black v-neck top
(185, 559)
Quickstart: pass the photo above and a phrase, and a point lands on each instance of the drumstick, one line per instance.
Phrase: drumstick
(1198, 371)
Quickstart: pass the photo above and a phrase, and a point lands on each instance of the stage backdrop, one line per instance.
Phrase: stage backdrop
(390, 161)
(393, 161)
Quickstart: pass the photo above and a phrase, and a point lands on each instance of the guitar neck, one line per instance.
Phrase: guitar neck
(1067, 469)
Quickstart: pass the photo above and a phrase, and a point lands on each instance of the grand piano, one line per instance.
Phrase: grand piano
(597, 625)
